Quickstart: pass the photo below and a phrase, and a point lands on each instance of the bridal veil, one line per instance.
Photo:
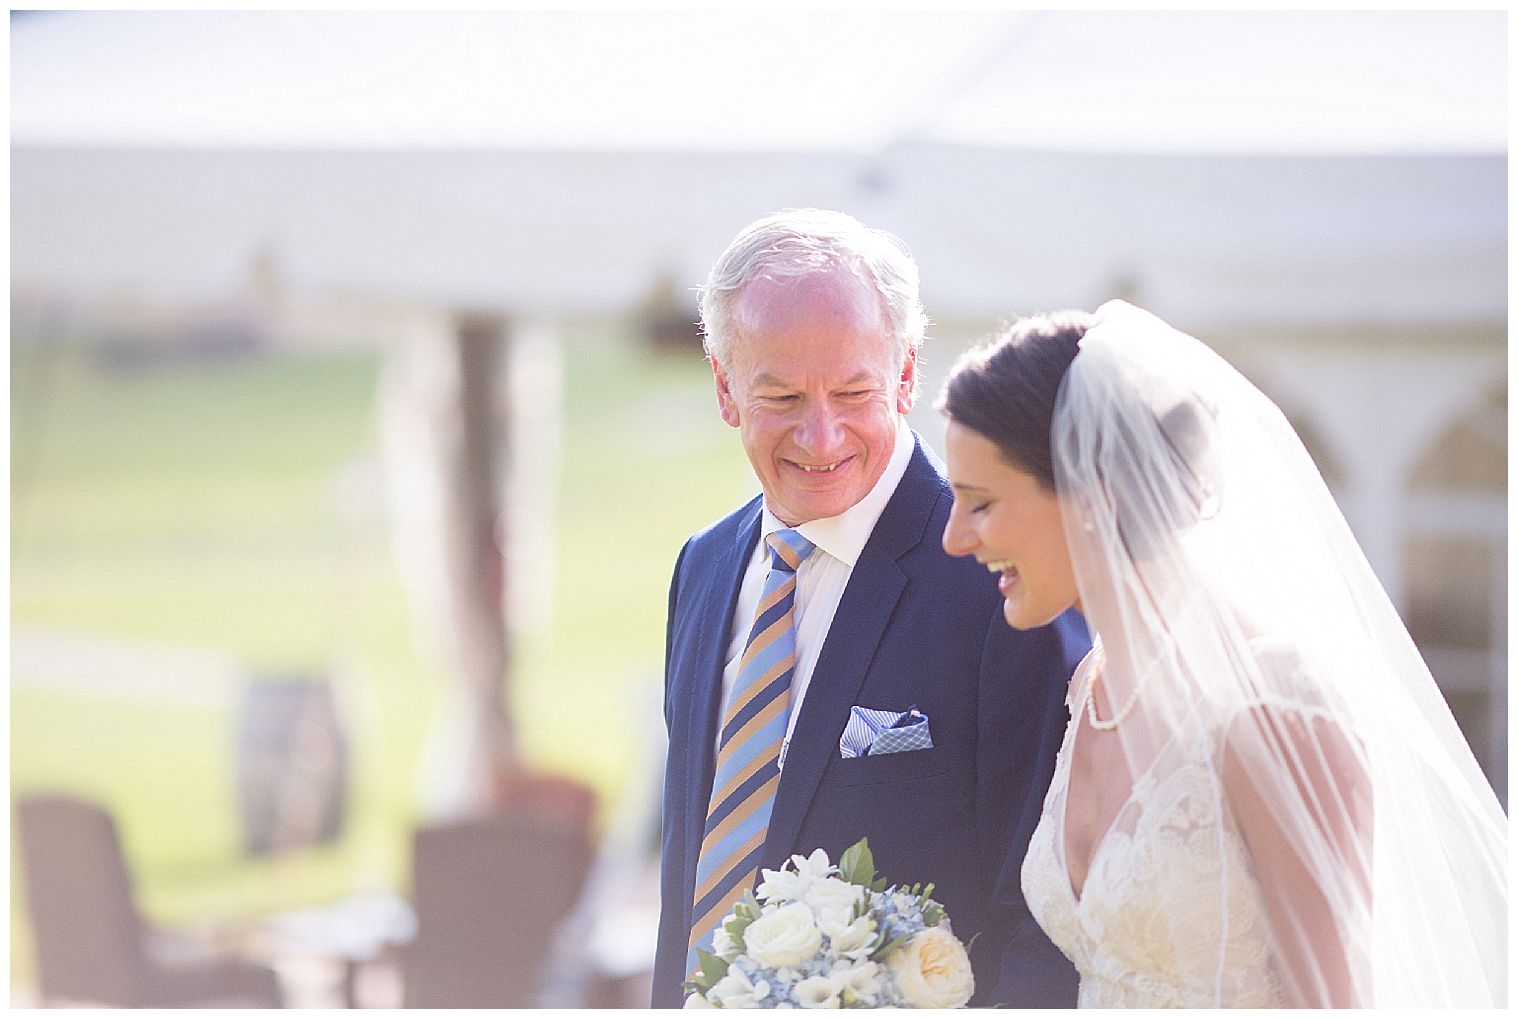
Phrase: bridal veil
(1241, 623)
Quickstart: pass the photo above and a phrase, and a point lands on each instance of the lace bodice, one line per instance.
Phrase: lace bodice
(1171, 913)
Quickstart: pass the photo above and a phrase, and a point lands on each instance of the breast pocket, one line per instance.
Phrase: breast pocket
(901, 767)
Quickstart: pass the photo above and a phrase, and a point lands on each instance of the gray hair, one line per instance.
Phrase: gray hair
(799, 242)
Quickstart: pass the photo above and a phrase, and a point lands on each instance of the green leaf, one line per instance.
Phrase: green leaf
(735, 928)
(748, 908)
(712, 969)
(878, 885)
(890, 946)
(858, 864)
(932, 914)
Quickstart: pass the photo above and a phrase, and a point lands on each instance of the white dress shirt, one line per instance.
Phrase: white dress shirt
(820, 580)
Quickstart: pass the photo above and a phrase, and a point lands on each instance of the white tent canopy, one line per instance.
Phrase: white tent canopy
(1313, 167)
(1211, 239)
(1262, 82)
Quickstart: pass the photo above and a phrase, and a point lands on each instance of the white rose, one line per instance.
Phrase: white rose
(851, 940)
(861, 983)
(832, 900)
(698, 1001)
(785, 937)
(819, 992)
(736, 990)
(933, 970)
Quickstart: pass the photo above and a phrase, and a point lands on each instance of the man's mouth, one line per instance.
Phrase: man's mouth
(821, 468)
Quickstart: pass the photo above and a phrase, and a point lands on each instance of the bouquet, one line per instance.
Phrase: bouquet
(820, 936)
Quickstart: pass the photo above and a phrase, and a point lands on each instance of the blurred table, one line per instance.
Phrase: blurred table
(346, 936)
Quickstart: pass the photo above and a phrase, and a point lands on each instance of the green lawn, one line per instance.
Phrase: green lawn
(211, 506)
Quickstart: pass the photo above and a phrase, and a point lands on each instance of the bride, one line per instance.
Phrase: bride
(1261, 799)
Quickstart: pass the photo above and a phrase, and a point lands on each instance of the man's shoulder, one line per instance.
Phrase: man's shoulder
(720, 534)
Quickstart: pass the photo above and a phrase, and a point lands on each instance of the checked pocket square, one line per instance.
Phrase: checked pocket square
(872, 732)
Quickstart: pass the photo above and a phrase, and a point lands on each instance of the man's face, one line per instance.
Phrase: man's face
(815, 389)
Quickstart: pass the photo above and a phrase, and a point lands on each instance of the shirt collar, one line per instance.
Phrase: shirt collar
(843, 536)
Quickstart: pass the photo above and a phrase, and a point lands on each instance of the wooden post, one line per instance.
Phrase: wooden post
(446, 421)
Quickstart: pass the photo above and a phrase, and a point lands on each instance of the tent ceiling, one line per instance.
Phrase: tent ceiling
(1269, 82)
(1310, 167)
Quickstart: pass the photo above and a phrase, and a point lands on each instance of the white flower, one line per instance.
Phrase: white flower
(780, 886)
(783, 884)
(737, 990)
(698, 1001)
(822, 991)
(933, 970)
(814, 867)
(861, 982)
(785, 937)
(851, 940)
(832, 900)
(904, 903)
(724, 946)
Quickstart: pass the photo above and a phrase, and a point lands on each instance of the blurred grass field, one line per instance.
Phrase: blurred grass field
(223, 505)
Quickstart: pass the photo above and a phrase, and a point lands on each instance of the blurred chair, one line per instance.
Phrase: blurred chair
(489, 893)
(93, 946)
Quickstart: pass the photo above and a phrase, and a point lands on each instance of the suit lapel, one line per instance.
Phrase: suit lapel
(870, 598)
(720, 585)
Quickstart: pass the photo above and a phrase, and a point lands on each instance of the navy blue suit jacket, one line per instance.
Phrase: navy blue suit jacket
(915, 627)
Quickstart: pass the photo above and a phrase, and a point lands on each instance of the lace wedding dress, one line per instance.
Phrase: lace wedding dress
(1168, 885)
(1260, 651)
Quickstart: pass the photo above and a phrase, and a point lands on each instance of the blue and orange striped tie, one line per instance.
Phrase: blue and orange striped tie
(748, 753)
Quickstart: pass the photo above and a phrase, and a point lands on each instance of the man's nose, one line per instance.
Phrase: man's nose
(820, 432)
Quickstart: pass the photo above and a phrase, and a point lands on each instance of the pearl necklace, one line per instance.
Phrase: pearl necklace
(1122, 712)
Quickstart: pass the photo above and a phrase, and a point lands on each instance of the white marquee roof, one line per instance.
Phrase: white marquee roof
(1344, 81)
(1306, 167)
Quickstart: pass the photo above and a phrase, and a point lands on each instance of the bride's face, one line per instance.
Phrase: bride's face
(1011, 524)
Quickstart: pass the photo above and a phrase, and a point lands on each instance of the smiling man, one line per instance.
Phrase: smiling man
(831, 673)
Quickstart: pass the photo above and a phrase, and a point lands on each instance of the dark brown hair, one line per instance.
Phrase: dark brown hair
(1006, 389)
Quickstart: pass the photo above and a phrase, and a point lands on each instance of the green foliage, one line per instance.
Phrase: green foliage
(745, 911)
(857, 866)
(747, 907)
(884, 948)
(932, 912)
(710, 970)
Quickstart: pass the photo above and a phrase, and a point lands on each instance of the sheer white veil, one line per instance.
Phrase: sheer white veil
(1242, 630)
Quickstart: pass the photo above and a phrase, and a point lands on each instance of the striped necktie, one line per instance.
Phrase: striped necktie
(748, 753)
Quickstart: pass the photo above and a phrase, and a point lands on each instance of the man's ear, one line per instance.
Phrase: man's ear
(725, 401)
(906, 389)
